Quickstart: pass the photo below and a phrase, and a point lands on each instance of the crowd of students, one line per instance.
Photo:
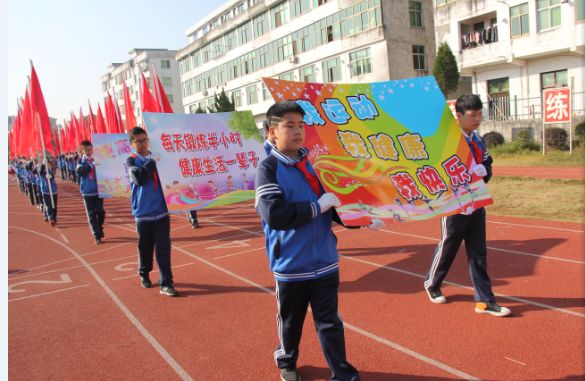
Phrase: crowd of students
(296, 215)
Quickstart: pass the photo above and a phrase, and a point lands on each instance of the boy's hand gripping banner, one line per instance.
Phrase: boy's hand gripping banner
(389, 150)
(110, 152)
(205, 160)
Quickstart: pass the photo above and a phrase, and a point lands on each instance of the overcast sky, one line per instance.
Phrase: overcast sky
(72, 43)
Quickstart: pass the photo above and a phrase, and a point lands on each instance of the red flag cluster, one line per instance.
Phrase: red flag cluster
(31, 131)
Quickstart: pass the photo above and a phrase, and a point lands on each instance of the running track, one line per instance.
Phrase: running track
(568, 173)
(77, 311)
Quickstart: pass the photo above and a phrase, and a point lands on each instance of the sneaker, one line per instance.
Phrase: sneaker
(145, 282)
(168, 290)
(53, 222)
(492, 308)
(195, 225)
(98, 241)
(288, 374)
(436, 296)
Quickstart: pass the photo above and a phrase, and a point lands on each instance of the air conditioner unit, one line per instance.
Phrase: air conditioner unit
(205, 93)
(292, 59)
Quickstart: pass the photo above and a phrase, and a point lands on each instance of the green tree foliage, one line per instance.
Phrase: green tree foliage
(580, 134)
(525, 141)
(556, 138)
(222, 103)
(244, 123)
(445, 69)
(493, 139)
(199, 110)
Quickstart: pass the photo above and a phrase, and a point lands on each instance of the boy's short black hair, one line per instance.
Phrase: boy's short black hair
(85, 143)
(136, 131)
(468, 102)
(277, 111)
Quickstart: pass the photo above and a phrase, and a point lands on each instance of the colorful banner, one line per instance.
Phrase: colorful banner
(205, 160)
(110, 152)
(390, 150)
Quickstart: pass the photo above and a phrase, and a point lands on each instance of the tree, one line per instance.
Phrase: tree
(221, 103)
(199, 110)
(445, 69)
(244, 123)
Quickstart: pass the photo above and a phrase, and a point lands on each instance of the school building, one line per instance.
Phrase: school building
(514, 49)
(302, 40)
(165, 65)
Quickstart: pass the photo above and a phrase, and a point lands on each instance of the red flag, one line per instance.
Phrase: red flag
(147, 102)
(38, 107)
(26, 127)
(82, 128)
(100, 124)
(119, 122)
(128, 109)
(91, 120)
(163, 100)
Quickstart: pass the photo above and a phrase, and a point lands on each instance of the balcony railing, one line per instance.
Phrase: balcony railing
(514, 108)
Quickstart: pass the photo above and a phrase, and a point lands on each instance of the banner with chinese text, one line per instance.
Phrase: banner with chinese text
(389, 150)
(205, 160)
(110, 152)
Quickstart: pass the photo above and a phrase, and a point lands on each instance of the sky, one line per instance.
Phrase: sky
(71, 43)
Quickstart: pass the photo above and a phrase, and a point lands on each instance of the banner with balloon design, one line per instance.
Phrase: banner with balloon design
(389, 150)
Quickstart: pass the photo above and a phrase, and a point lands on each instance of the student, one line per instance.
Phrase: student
(94, 205)
(192, 218)
(48, 189)
(467, 226)
(151, 214)
(296, 218)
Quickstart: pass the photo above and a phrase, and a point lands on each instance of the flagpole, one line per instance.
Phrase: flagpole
(45, 161)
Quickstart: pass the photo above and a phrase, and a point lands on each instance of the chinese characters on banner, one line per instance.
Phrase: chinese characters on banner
(205, 160)
(557, 105)
(389, 150)
(110, 152)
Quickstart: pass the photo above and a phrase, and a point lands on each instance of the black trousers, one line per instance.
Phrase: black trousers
(293, 299)
(153, 234)
(96, 215)
(454, 230)
(50, 208)
(192, 217)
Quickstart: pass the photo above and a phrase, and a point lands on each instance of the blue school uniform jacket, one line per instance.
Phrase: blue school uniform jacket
(44, 183)
(87, 179)
(147, 199)
(299, 241)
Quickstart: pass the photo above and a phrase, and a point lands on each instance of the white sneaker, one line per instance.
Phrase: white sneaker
(436, 296)
(492, 308)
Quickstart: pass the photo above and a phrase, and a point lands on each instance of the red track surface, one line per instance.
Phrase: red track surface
(574, 173)
(77, 311)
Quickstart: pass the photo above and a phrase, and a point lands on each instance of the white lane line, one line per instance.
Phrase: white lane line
(147, 335)
(516, 361)
(46, 293)
(69, 268)
(239, 253)
(493, 248)
(504, 296)
(64, 238)
(351, 327)
(537, 227)
(152, 272)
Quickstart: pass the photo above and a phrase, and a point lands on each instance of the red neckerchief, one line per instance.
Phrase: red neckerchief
(313, 181)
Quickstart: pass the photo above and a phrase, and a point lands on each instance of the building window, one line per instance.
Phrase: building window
(279, 14)
(240, 8)
(261, 24)
(316, 3)
(519, 20)
(554, 79)
(167, 81)
(549, 13)
(332, 70)
(288, 76)
(415, 10)
(165, 64)
(360, 62)
(298, 7)
(418, 57)
(307, 74)
(245, 33)
(237, 98)
(251, 94)
(498, 98)
(265, 93)
(580, 10)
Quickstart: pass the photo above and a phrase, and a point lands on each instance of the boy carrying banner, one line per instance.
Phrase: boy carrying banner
(94, 205)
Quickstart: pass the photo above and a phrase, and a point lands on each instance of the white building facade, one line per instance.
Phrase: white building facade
(302, 40)
(166, 67)
(514, 49)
